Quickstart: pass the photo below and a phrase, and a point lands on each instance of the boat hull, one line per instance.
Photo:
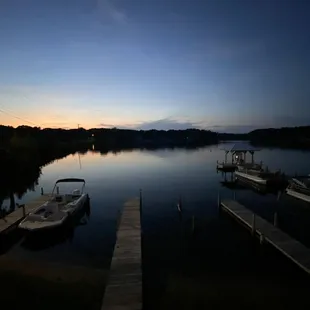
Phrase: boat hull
(298, 195)
(38, 227)
(252, 178)
(226, 167)
(62, 218)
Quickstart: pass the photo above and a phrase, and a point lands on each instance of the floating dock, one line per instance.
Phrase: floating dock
(226, 167)
(124, 288)
(291, 248)
(11, 220)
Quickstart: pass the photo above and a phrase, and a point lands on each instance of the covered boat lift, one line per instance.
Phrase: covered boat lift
(238, 153)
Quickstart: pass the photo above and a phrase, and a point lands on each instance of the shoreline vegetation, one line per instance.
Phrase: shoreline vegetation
(25, 150)
(35, 138)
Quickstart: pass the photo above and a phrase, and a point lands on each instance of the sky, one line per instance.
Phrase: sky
(228, 66)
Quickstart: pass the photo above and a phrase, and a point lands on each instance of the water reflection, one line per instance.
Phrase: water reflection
(114, 175)
(9, 240)
(20, 170)
(242, 185)
(20, 173)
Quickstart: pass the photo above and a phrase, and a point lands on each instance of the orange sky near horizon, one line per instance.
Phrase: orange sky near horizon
(54, 119)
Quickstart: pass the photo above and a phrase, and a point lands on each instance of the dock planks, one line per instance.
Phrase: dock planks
(291, 248)
(12, 219)
(124, 288)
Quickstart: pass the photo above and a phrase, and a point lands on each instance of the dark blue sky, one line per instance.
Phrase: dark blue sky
(225, 65)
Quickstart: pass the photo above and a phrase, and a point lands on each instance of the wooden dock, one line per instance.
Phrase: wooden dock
(291, 248)
(124, 288)
(11, 220)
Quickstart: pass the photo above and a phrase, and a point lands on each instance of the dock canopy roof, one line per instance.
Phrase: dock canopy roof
(240, 147)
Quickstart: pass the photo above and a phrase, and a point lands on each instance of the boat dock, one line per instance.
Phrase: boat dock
(124, 287)
(291, 248)
(10, 221)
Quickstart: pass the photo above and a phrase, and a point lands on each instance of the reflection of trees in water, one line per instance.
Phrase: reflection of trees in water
(154, 150)
(20, 171)
(19, 174)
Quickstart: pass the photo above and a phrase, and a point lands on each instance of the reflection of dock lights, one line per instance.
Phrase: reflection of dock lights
(237, 156)
(92, 135)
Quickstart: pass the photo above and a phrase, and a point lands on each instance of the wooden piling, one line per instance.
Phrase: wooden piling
(42, 192)
(261, 239)
(253, 225)
(275, 219)
(193, 223)
(140, 208)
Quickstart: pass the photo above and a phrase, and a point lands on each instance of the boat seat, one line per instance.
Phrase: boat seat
(57, 216)
(34, 217)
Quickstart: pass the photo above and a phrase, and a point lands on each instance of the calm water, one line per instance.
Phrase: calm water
(163, 176)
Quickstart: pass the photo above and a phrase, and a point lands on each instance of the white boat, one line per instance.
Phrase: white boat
(299, 188)
(256, 174)
(57, 210)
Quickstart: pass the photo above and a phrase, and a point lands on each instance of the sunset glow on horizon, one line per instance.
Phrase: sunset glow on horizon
(222, 65)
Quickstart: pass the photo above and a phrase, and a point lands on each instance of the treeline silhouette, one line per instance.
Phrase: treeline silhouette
(43, 140)
(25, 150)
(291, 137)
(34, 137)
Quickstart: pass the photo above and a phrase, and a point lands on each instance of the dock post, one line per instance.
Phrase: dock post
(24, 211)
(219, 201)
(253, 225)
(262, 239)
(275, 219)
(57, 190)
(140, 198)
(234, 195)
(193, 223)
(42, 192)
(140, 201)
(140, 209)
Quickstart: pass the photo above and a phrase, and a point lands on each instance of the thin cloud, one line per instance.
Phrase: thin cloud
(108, 9)
(106, 125)
(232, 50)
(55, 125)
(166, 124)
(160, 124)
(232, 128)
(220, 50)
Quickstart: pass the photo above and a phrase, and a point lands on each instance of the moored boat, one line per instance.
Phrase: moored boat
(257, 174)
(299, 187)
(57, 210)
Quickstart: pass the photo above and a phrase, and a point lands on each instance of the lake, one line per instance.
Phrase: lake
(170, 251)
